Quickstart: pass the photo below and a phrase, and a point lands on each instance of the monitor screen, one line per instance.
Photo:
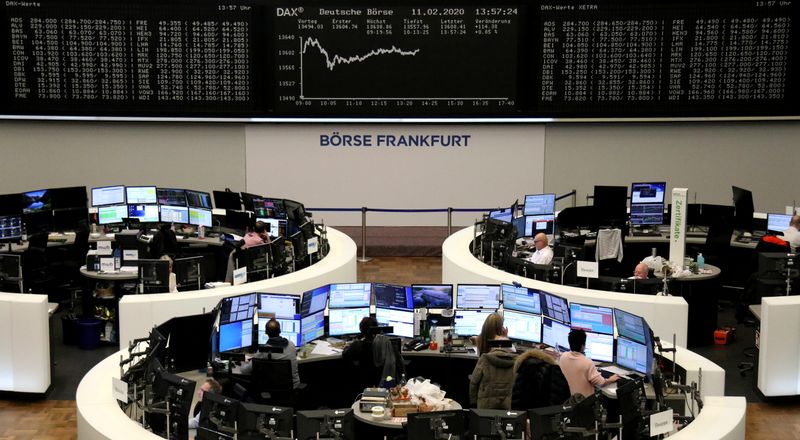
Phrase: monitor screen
(392, 296)
(346, 321)
(171, 196)
(555, 334)
(630, 326)
(478, 296)
(554, 307)
(743, 203)
(227, 200)
(238, 308)
(401, 320)
(145, 213)
(198, 199)
(652, 192)
(521, 299)
(111, 214)
(778, 222)
(277, 305)
(10, 228)
(312, 327)
(505, 215)
(530, 225)
(314, 300)
(599, 347)
(611, 204)
(108, 195)
(36, 201)
(633, 355)
(523, 326)
(434, 296)
(235, 335)
(70, 197)
(174, 214)
(350, 295)
(647, 214)
(275, 227)
(592, 318)
(10, 266)
(270, 208)
(141, 194)
(470, 322)
(10, 204)
(290, 329)
(539, 204)
(200, 217)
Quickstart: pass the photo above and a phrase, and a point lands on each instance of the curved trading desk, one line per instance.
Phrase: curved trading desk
(140, 313)
(99, 416)
(666, 315)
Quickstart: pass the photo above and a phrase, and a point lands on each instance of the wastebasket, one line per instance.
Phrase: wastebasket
(89, 333)
(69, 329)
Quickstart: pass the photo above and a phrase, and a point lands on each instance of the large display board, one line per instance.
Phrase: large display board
(459, 59)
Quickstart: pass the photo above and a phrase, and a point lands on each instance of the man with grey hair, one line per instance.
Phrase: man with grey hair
(543, 253)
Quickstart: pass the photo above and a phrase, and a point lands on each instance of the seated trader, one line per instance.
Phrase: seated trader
(492, 379)
(273, 331)
(543, 253)
(641, 272)
(383, 358)
(257, 236)
(792, 234)
(173, 279)
(209, 386)
(581, 374)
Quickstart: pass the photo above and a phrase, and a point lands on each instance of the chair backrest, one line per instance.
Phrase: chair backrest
(719, 236)
(38, 240)
(273, 376)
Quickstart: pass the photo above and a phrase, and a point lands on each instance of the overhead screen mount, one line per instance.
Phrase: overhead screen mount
(391, 60)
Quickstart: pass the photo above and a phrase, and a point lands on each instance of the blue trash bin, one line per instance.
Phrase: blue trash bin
(89, 333)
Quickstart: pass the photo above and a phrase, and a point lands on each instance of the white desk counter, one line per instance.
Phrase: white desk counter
(667, 315)
(24, 343)
(139, 313)
(779, 346)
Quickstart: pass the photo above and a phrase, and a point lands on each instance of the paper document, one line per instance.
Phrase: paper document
(613, 369)
(324, 348)
(129, 269)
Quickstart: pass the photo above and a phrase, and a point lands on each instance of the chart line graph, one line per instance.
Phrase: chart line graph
(331, 62)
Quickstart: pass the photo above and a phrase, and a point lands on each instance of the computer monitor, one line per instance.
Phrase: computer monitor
(778, 222)
(278, 305)
(247, 201)
(256, 259)
(70, 219)
(144, 195)
(345, 321)
(10, 204)
(530, 225)
(308, 230)
(400, 319)
(107, 215)
(10, 228)
(153, 275)
(436, 425)
(295, 211)
(497, 424)
(649, 286)
(10, 267)
(521, 299)
(647, 203)
(171, 196)
(198, 199)
(596, 319)
(611, 205)
(36, 201)
(478, 296)
(743, 203)
(218, 416)
(144, 213)
(227, 200)
(179, 392)
(539, 204)
(238, 308)
(314, 300)
(599, 347)
(69, 197)
(41, 221)
(189, 273)
(269, 208)
(634, 356)
(291, 329)
(393, 296)
(299, 246)
(275, 227)
(326, 423)
(631, 326)
(312, 327)
(432, 296)
(554, 307)
(504, 215)
(174, 214)
(200, 217)
(523, 326)
(108, 195)
(257, 422)
(350, 295)
(469, 322)
(555, 334)
(235, 335)
(239, 220)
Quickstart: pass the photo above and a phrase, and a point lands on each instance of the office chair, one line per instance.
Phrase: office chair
(36, 274)
(272, 382)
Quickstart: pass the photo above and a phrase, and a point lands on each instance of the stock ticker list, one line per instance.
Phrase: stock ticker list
(129, 57)
(625, 57)
(396, 60)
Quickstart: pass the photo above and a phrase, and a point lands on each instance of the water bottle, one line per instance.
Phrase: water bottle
(201, 231)
(701, 261)
(117, 259)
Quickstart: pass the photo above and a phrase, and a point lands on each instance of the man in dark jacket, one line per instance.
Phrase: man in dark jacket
(490, 382)
(273, 330)
(539, 381)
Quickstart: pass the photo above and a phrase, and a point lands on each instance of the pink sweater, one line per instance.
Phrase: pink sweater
(581, 374)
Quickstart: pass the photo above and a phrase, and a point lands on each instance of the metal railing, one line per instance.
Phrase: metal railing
(448, 210)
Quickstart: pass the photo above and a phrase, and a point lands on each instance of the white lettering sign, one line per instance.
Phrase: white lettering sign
(588, 269)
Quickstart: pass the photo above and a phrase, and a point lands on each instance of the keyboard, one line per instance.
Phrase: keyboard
(646, 234)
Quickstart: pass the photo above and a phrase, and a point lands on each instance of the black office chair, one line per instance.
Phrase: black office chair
(272, 382)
